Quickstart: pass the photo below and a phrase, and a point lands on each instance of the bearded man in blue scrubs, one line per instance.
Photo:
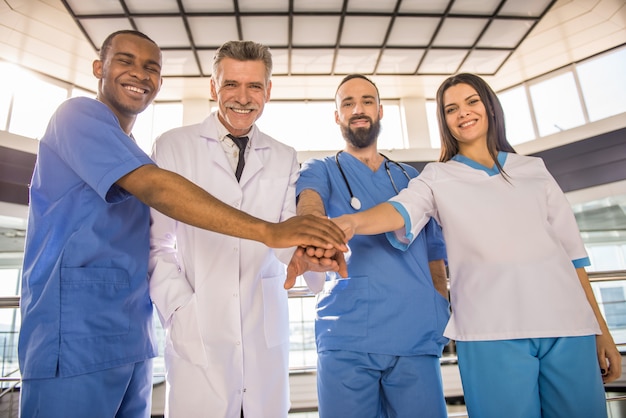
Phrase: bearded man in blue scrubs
(379, 332)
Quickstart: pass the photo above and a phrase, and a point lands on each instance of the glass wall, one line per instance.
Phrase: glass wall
(581, 93)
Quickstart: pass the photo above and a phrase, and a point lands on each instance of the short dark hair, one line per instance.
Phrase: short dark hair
(106, 45)
(362, 77)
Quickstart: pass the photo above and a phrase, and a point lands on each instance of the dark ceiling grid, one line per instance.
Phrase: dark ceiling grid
(343, 15)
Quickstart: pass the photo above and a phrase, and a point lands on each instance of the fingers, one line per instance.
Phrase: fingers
(612, 368)
(322, 233)
(342, 267)
(292, 274)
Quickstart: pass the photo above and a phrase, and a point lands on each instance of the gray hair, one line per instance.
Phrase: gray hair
(244, 51)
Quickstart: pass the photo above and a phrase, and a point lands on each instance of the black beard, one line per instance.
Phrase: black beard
(361, 137)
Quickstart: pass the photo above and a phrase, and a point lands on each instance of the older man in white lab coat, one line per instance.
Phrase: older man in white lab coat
(221, 299)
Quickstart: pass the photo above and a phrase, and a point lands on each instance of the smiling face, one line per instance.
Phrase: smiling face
(466, 116)
(241, 91)
(130, 77)
(358, 112)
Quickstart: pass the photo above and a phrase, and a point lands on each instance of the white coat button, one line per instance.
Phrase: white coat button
(238, 342)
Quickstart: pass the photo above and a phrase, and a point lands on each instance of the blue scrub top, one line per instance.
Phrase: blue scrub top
(388, 304)
(85, 304)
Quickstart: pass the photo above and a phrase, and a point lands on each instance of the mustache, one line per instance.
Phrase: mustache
(233, 105)
(361, 117)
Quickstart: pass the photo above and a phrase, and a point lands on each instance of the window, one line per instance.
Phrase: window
(557, 104)
(433, 124)
(156, 119)
(603, 84)
(34, 102)
(310, 125)
(518, 120)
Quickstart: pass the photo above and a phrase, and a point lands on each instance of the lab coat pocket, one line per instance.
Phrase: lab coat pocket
(185, 335)
(94, 302)
(275, 309)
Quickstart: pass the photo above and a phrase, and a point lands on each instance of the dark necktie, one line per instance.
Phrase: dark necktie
(241, 142)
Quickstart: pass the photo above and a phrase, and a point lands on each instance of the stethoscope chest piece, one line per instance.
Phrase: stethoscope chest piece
(355, 203)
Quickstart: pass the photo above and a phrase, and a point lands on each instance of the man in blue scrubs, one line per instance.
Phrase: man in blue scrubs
(86, 340)
(379, 332)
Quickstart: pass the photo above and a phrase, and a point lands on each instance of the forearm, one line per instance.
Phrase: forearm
(381, 218)
(584, 281)
(440, 277)
(174, 196)
(310, 203)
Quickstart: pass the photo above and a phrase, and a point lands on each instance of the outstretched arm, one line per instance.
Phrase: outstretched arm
(609, 357)
(381, 218)
(178, 198)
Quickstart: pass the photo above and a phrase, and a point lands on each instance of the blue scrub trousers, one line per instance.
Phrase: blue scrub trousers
(120, 392)
(532, 378)
(363, 385)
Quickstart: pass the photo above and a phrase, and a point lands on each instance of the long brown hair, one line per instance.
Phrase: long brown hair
(496, 133)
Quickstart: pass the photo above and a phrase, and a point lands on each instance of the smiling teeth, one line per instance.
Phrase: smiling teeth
(135, 89)
(241, 110)
(463, 125)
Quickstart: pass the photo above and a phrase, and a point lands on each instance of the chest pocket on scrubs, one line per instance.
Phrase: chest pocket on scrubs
(343, 307)
(94, 302)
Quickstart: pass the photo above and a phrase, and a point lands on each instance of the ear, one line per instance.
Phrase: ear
(268, 91)
(97, 69)
(336, 117)
(213, 89)
(380, 112)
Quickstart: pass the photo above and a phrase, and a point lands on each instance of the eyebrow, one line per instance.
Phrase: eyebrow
(133, 56)
(467, 98)
(367, 96)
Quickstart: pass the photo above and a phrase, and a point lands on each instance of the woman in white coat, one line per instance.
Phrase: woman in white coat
(221, 299)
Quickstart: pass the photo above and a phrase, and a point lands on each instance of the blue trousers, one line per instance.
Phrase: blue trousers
(120, 392)
(532, 378)
(363, 385)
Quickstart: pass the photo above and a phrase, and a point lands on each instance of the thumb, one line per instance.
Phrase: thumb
(292, 274)
(341, 261)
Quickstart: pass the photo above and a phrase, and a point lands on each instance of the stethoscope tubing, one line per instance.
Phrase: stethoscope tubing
(355, 203)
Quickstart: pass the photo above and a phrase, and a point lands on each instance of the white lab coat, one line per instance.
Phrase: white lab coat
(221, 299)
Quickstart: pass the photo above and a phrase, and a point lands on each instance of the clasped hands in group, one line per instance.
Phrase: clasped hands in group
(320, 259)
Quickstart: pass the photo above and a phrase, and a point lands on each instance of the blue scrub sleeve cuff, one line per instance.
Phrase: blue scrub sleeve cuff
(402, 238)
(581, 262)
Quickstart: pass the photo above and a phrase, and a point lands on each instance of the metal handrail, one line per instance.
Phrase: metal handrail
(12, 302)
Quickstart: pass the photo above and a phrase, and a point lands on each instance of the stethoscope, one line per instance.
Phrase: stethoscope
(354, 201)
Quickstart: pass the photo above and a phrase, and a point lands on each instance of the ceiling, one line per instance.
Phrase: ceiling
(408, 46)
(435, 37)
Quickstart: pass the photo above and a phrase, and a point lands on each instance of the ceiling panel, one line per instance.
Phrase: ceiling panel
(364, 30)
(268, 30)
(312, 61)
(203, 6)
(398, 61)
(168, 32)
(212, 31)
(504, 33)
(475, 7)
(459, 32)
(393, 35)
(413, 31)
(149, 6)
(315, 30)
(178, 63)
